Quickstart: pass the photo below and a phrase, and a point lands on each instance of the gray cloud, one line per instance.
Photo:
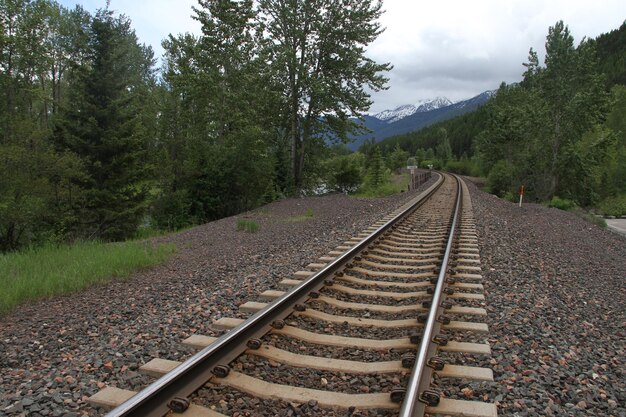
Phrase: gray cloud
(452, 48)
(460, 49)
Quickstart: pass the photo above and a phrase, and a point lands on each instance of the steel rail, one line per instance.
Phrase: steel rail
(192, 374)
(412, 406)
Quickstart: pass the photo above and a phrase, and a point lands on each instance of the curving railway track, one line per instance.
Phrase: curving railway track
(386, 305)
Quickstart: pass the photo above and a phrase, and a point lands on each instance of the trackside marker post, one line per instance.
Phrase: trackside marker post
(521, 194)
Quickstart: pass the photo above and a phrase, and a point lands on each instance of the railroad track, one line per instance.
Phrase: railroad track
(383, 305)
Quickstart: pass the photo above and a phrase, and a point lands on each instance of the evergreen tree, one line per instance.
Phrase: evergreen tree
(536, 131)
(35, 178)
(376, 169)
(397, 159)
(102, 126)
(444, 150)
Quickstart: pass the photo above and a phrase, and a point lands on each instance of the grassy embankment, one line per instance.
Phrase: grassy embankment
(52, 270)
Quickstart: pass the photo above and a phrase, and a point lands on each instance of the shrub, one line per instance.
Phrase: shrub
(464, 167)
(509, 196)
(171, 211)
(614, 206)
(500, 178)
(561, 203)
(436, 163)
(344, 173)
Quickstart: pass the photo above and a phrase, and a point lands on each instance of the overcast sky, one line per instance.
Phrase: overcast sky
(451, 48)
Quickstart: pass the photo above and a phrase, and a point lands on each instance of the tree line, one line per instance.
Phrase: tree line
(561, 131)
(94, 141)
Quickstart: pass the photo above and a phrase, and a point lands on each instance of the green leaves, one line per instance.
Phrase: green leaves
(317, 53)
(546, 132)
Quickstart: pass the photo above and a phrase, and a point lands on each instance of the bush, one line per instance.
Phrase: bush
(561, 203)
(509, 196)
(500, 178)
(614, 206)
(171, 211)
(425, 164)
(464, 167)
(381, 190)
(390, 186)
(344, 173)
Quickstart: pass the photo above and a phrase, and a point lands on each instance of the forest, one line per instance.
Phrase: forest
(98, 142)
(561, 131)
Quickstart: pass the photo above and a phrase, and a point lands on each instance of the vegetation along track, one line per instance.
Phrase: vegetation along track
(362, 330)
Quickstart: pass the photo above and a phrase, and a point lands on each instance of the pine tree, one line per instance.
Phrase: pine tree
(101, 124)
(376, 169)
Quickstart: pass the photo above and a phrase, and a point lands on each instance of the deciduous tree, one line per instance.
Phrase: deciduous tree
(317, 50)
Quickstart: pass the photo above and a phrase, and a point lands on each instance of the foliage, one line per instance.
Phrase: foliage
(545, 128)
(561, 203)
(102, 126)
(50, 270)
(215, 133)
(614, 173)
(611, 49)
(397, 159)
(390, 186)
(317, 51)
(377, 173)
(431, 164)
(464, 166)
(344, 173)
(545, 131)
(461, 132)
(614, 206)
(501, 178)
(93, 144)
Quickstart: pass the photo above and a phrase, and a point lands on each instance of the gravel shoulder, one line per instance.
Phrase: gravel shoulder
(555, 288)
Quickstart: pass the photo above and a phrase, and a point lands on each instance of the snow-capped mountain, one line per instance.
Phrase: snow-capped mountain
(400, 112)
(409, 118)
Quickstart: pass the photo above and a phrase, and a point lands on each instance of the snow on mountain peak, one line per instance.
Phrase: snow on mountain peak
(405, 110)
(436, 103)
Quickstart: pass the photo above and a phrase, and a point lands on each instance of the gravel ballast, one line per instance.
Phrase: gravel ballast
(554, 287)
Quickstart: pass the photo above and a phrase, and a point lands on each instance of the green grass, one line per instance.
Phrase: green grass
(52, 270)
(308, 215)
(246, 225)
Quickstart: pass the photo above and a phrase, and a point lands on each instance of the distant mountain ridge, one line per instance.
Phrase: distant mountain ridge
(405, 110)
(409, 118)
